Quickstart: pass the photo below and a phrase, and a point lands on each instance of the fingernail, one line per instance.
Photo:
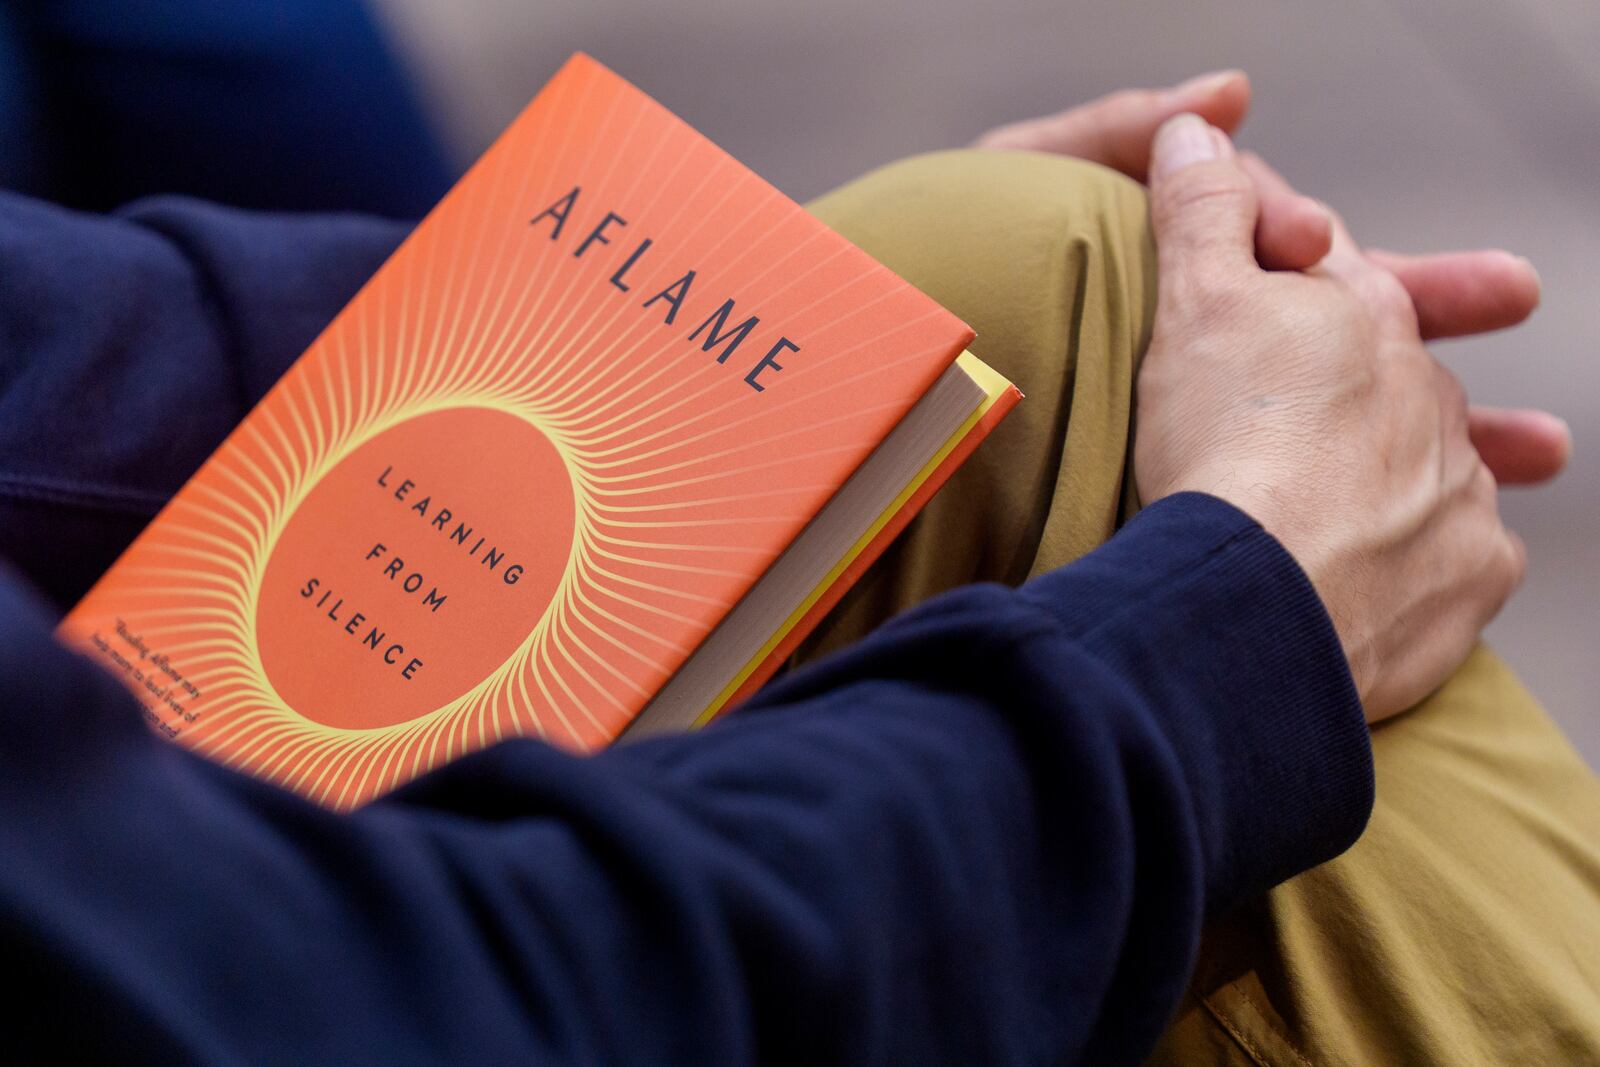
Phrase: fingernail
(1201, 85)
(1182, 141)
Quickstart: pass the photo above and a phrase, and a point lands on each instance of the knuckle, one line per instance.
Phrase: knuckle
(1483, 487)
(1384, 287)
(1214, 295)
(1518, 552)
(1221, 296)
(1341, 314)
(1345, 308)
(1452, 395)
(1210, 187)
(1508, 566)
(1402, 317)
(1390, 300)
(1222, 291)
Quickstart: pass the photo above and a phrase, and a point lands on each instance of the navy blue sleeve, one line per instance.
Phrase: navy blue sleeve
(987, 834)
(292, 105)
(131, 345)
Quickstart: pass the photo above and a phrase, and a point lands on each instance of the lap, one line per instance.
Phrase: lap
(1046, 259)
(1464, 927)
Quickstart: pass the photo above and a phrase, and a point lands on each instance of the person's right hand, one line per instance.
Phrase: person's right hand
(1309, 401)
(1454, 293)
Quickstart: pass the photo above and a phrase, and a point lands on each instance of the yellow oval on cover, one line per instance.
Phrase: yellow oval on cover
(415, 568)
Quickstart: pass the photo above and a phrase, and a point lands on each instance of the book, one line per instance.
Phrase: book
(588, 455)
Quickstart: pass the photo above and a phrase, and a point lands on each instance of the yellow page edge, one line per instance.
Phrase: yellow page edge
(995, 385)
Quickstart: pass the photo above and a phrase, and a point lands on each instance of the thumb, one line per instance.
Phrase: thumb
(1202, 202)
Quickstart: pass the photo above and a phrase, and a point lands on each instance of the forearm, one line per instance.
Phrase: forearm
(293, 105)
(134, 344)
(984, 834)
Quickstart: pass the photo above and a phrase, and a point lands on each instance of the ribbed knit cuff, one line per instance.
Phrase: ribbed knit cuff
(1223, 633)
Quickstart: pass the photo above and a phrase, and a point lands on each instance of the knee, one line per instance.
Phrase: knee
(993, 198)
(1038, 182)
(1020, 244)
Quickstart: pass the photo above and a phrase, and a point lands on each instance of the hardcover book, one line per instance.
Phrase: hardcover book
(591, 453)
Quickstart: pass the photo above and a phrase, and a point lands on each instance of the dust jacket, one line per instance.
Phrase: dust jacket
(529, 467)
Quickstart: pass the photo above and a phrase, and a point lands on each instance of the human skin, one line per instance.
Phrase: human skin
(1309, 400)
(1402, 645)
(1453, 293)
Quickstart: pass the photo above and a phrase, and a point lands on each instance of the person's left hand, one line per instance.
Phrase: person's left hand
(1116, 131)
(1454, 293)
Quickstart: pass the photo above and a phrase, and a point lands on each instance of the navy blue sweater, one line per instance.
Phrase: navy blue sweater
(281, 104)
(989, 834)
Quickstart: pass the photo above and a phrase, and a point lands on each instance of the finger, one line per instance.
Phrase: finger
(1454, 293)
(1116, 130)
(1294, 231)
(1520, 446)
(1458, 293)
(1345, 259)
(1202, 203)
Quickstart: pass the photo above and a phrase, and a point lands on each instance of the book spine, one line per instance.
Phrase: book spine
(869, 554)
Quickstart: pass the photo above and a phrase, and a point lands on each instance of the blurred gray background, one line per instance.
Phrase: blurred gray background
(1429, 125)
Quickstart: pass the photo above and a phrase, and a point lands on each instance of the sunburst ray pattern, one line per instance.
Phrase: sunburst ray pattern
(672, 480)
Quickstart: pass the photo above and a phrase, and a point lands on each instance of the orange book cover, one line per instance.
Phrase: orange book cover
(527, 469)
(851, 568)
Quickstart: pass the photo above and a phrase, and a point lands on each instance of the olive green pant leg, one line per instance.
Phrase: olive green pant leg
(1045, 258)
(1464, 926)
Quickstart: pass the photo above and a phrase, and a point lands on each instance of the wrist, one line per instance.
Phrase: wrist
(1333, 576)
(1207, 615)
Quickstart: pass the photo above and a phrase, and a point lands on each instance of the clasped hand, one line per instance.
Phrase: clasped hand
(1287, 374)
